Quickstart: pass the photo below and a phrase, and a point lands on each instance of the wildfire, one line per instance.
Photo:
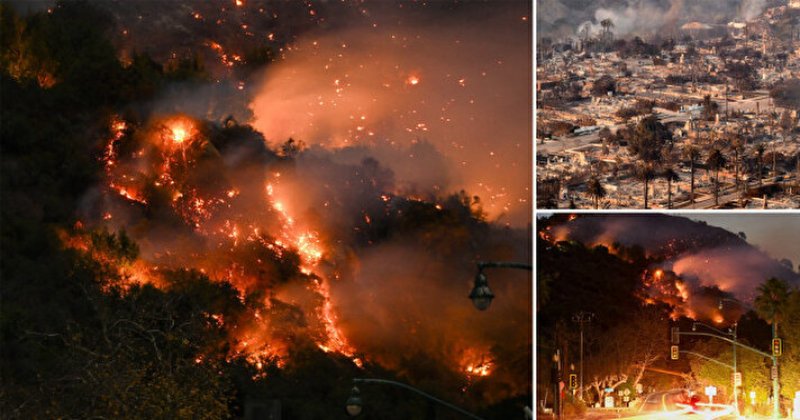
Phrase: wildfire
(477, 363)
(179, 130)
(99, 247)
(178, 134)
(307, 243)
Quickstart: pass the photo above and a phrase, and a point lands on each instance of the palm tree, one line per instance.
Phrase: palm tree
(737, 146)
(607, 24)
(692, 153)
(596, 190)
(645, 173)
(670, 175)
(770, 304)
(760, 154)
(649, 139)
(716, 160)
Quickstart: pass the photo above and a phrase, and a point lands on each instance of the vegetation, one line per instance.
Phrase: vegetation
(650, 137)
(603, 86)
(74, 345)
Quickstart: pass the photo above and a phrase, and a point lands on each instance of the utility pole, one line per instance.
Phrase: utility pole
(582, 318)
(776, 386)
(735, 371)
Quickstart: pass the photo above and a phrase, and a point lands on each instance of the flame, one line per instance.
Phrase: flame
(178, 134)
(309, 246)
(160, 157)
(179, 129)
(477, 363)
(128, 273)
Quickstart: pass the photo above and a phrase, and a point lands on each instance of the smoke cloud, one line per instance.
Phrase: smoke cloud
(350, 236)
(444, 104)
(645, 18)
(699, 264)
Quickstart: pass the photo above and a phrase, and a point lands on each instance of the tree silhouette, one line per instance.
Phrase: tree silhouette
(645, 173)
(715, 161)
(607, 24)
(692, 153)
(647, 143)
(737, 146)
(670, 175)
(770, 303)
(760, 154)
(595, 190)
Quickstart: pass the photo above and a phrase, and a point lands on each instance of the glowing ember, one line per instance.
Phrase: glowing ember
(178, 134)
(412, 80)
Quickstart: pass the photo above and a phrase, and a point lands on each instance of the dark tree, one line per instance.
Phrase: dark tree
(716, 161)
(603, 85)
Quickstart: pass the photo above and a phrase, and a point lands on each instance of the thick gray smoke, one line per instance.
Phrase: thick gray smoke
(701, 255)
(646, 18)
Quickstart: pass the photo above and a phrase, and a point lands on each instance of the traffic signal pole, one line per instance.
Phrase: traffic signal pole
(776, 407)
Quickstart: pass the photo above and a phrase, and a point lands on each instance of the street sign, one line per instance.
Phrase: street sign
(675, 337)
(737, 379)
(711, 391)
(573, 381)
(776, 347)
(674, 352)
(627, 392)
(609, 402)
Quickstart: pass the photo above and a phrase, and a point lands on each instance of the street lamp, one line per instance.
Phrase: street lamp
(481, 295)
(354, 403)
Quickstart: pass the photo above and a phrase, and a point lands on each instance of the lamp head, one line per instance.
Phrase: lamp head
(481, 294)
(354, 403)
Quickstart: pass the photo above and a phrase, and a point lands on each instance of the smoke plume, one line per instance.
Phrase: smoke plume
(695, 263)
(443, 106)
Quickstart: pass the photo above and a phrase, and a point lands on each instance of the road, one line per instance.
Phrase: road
(727, 194)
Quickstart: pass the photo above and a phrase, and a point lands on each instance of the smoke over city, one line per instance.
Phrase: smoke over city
(645, 18)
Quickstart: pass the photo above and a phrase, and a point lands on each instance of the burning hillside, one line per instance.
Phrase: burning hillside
(691, 264)
(293, 228)
(237, 199)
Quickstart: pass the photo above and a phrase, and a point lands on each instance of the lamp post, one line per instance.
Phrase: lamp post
(582, 318)
(776, 386)
(355, 404)
(731, 333)
(481, 295)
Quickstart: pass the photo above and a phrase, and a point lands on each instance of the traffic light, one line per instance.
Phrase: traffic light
(673, 353)
(776, 347)
(675, 337)
(573, 381)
